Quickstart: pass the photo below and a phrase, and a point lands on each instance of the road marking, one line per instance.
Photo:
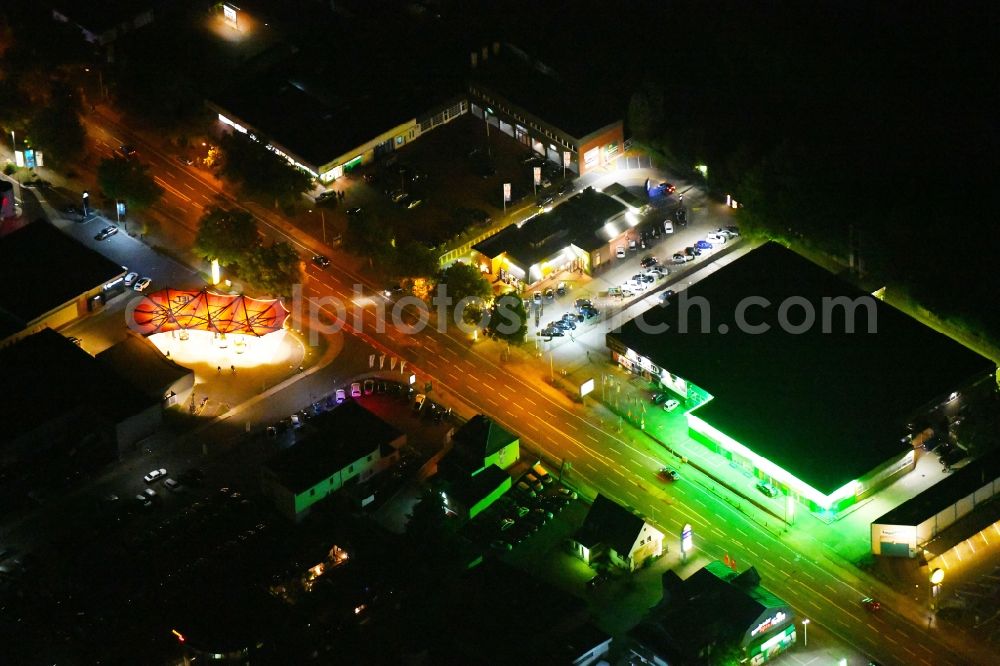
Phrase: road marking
(159, 181)
(529, 400)
(887, 637)
(618, 472)
(189, 187)
(592, 437)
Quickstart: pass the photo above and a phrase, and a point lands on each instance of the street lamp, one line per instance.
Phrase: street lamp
(937, 576)
(86, 200)
(805, 633)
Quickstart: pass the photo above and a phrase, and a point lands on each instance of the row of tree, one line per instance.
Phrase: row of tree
(232, 237)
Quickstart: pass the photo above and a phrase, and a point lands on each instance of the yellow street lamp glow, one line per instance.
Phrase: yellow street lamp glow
(937, 576)
(216, 273)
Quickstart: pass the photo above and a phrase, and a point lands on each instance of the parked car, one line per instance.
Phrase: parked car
(142, 284)
(341, 396)
(597, 581)
(659, 398)
(501, 545)
(397, 196)
(703, 245)
(506, 524)
(525, 489)
(668, 227)
(106, 232)
(632, 245)
(172, 484)
(369, 386)
(155, 475)
(561, 289)
(733, 231)
(414, 203)
(327, 196)
(534, 482)
(681, 258)
(542, 473)
(537, 297)
(550, 294)
(667, 188)
(717, 239)
(620, 251)
(131, 278)
(589, 312)
(581, 303)
(671, 405)
(692, 251)
(356, 390)
(321, 261)
(647, 261)
(566, 187)
(551, 332)
(566, 492)
(767, 489)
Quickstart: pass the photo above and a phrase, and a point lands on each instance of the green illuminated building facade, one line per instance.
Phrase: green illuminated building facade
(801, 378)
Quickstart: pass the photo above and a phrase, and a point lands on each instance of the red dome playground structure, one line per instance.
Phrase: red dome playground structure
(172, 310)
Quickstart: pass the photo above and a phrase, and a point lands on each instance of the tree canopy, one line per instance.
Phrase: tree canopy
(128, 180)
(464, 281)
(227, 235)
(273, 269)
(508, 319)
(55, 128)
(259, 171)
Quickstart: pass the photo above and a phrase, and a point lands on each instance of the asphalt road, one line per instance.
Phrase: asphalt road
(604, 459)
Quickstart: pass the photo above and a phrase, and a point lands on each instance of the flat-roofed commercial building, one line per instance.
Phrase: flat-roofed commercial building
(328, 120)
(52, 298)
(564, 120)
(825, 411)
(579, 234)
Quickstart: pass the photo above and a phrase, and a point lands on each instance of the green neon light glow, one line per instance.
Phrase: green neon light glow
(763, 464)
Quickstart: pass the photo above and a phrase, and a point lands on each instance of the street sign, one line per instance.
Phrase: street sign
(506, 192)
(566, 158)
(538, 177)
(586, 387)
(687, 541)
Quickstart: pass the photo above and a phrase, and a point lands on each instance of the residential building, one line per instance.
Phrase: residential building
(823, 399)
(347, 445)
(152, 373)
(481, 442)
(468, 496)
(614, 534)
(714, 616)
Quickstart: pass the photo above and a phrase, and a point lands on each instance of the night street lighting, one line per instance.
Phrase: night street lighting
(805, 633)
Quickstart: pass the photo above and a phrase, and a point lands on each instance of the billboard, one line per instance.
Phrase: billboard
(586, 387)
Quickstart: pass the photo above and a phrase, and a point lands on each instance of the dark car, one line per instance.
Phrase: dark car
(667, 188)
(321, 261)
(597, 581)
(566, 187)
(551, 332)
(127, 150)
(589, 312)
(767, 489)
(692, 251)
(566, 324)
(546, 200)
(550, 294)
(871, 605)
(648, 261)
(660, 398)
(583, 303)
(668, 474)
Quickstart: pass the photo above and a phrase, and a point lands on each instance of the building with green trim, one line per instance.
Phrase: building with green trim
(470, 496)
(481, 442)
(715, 616)
(800, 377)
(342, 447)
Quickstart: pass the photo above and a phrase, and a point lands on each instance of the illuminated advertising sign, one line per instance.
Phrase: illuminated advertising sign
(778, 618)
(229, 12)
(566, 158)
(586, 387)
(506, 191)
(538, 176)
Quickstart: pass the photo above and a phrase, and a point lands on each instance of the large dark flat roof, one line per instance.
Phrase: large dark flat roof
(336, 439)
(320, 111)
(943, 494)
(578, 221)
(47, 377)
(30, 290)
(826, 407)
(572, 105)
(98, 17)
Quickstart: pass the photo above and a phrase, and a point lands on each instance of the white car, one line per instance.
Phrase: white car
(716, 239)
(142, 284)
(620, 251)
(155, 475)
(681, 258)
(355, 390)
(341, 396)
(668, 227)
(671, 405)
(131, 278)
